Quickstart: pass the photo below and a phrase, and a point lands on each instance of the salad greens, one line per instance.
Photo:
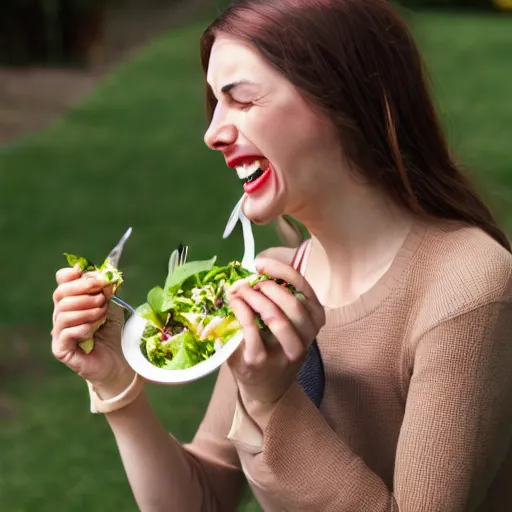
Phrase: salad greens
(107, 270)
(189, 318)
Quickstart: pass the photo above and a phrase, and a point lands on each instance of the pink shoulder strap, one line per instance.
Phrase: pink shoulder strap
(298, 257)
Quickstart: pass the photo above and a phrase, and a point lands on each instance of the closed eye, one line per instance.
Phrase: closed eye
(242, 105)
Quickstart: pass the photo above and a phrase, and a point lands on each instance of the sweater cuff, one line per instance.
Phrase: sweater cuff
(245, 433)
(294, 425)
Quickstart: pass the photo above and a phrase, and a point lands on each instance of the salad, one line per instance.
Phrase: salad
(189, 318)
(107, 270)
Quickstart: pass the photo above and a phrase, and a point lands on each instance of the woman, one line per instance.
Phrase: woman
(406, 277)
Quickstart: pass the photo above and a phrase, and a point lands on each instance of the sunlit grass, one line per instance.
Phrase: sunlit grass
(132, 155)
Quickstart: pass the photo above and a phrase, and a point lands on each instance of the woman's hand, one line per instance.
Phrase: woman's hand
(267, 362)
(82, 311)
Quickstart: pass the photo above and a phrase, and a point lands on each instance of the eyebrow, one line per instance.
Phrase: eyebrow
(229, 87)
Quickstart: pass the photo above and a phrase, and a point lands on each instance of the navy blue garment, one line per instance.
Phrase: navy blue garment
(311, 376)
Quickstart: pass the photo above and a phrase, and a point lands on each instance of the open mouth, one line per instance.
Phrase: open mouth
(253, 171)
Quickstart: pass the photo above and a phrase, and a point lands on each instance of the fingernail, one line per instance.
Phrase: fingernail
(103, 279)
(235, 286)
(259, 263)
(230, 294)
(97, 277)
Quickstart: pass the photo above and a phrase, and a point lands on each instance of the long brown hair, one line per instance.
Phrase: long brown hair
(357, 61)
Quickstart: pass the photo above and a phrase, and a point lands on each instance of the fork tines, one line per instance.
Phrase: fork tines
(183, 253)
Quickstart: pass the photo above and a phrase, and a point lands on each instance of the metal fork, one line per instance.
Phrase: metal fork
(249, 248)
(178, 258)
(120, 302)
(113, 259)
(115, 254)
(233, 218)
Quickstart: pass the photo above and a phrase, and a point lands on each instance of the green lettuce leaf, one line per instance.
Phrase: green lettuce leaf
(177, 353)
(156, 299)
(154, 319)
(84, 263)
(175, 280)
(87, 345)
(155, 350)
(111, 273)
(185, 356)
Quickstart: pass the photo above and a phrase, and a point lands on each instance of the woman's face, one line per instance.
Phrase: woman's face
(261, 121)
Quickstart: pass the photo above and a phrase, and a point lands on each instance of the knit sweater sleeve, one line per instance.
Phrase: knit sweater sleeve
(456, 428)
(217, 481)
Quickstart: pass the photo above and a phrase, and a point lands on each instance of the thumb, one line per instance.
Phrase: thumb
(115, 314)
(114, 319)
(67, 274)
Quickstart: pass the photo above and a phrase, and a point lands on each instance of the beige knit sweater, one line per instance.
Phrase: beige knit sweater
(417, 410)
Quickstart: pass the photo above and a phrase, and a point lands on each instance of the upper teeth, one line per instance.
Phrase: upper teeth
(244, 171)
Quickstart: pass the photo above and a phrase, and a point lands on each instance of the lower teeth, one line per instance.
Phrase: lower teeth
(254, 176)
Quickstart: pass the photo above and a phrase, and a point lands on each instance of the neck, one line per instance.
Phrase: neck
(355, 240)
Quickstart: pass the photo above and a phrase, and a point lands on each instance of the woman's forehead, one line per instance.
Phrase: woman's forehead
(231, 58)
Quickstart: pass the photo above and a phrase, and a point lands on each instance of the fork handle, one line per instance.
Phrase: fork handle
(249, 249)
(120, 302)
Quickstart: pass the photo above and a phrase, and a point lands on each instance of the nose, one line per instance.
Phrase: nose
(222, 132)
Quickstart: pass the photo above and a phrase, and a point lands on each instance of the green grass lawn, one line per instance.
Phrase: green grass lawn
(132, 155)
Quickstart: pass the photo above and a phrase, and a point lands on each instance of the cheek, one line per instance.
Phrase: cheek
(289, 133)
(260, 124)
(282, 132)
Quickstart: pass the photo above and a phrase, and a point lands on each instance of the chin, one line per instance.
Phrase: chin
(262, 211)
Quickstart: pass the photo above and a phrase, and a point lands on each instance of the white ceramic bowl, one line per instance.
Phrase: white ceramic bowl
(130, 342)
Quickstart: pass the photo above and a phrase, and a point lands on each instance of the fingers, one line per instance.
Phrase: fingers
(280, 326)
(108, 291)
(231, 291)
(88, 283)
(64, 275)
(67, 319)
(254, 352)
(66, 343)
(80, 309)
(81, 302)
(297, 312)
(278, 270)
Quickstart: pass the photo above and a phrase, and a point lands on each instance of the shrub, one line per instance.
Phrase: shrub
(49, 31)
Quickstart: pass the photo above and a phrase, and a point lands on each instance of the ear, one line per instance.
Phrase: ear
(288, 231)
